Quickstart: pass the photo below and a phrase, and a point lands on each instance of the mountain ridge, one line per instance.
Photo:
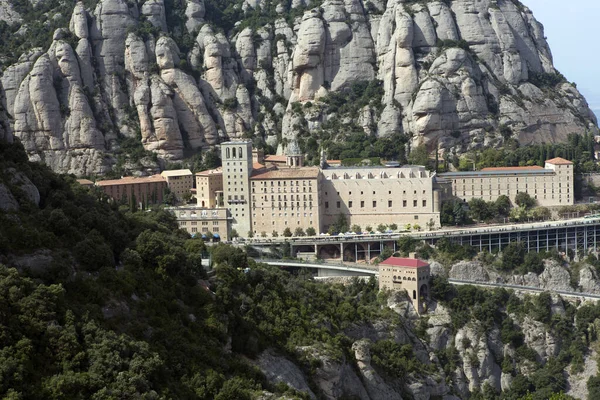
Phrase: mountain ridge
(124, 80)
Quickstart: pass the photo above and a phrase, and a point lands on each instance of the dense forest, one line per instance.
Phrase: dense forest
(97, 301)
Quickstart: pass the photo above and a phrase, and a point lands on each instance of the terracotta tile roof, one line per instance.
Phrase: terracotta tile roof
(287, 173)
(275, 159)
(85, 182)
(532, 167)
(215, 171)
(176, 172)
(257, 166)
(404, 262)
(559, 161)
(131, 180)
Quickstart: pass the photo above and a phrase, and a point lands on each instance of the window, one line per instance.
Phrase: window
(424, 203)
(416, 217)
(350, 204)
(414, 203)
(338, 204)
(403, 203)
(362, 203)
(389, 203)
(326, 204)
(374, 204)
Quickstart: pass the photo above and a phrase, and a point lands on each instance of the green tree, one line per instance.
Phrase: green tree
(393, 227)
(310, 231)
(523, 199)
(356, 229)
(274, 234)
(502, 205)
(513, 256)
(287, 232)
(299, 232)
(419, 156)
(406, 244)
(479, 210)
(234, 234)
(381, 228)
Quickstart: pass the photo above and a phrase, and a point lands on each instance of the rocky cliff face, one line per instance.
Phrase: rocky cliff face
(175, 78)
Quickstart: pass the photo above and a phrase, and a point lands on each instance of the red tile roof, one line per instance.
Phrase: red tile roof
(532, 167)
(404, 262)
(257, 166)
(276, 159)
(218, 170)
(559, 161)
(287, 173)
(131, 179)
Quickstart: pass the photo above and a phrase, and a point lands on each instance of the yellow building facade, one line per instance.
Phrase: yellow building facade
(209, 188)
(285, 198)
(550, 186)
(373, 196)
(409, 274)
(202, 221)
(179, 181)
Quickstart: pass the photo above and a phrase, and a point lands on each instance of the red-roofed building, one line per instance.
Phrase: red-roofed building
(410, 274)
(142, 190)
(508, 169)
(559, 161)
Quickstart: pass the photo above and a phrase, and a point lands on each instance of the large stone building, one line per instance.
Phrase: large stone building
(373, 196)
(179, 181)
(237, 165)
(142, 190)
(408, 274)
(552, 185)
(285, 198)
(204, 222)
(209, 188)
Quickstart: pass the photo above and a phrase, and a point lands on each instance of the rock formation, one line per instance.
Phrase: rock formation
(452, 74)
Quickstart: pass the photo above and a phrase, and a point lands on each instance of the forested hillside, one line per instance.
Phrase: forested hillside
(116, 86)
(98, 301)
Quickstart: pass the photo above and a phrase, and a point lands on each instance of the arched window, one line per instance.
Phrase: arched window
(240, 152)
(234, 156)
(228, 153)
(414, 294)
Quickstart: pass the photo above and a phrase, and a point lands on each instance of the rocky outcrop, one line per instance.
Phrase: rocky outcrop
(451, 73)
(375, 385)
(473, 271)
(278, 369)
(335, 378)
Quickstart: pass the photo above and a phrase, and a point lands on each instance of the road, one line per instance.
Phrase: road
(374, 270)
(445, 232)
(579, 295)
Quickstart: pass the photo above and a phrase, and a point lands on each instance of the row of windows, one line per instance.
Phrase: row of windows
(338, 204)
(297, 190)
(285, 205)
(264, 183)
(284, 223)
(266, 198)
(285, 214)
(232, 151)
(375, 192)
(535, 179)
(214, 230)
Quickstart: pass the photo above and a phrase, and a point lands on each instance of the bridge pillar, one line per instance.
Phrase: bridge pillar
(342, 251)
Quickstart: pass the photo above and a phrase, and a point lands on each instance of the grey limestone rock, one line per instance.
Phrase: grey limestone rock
(278, 369)
(451, 72)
